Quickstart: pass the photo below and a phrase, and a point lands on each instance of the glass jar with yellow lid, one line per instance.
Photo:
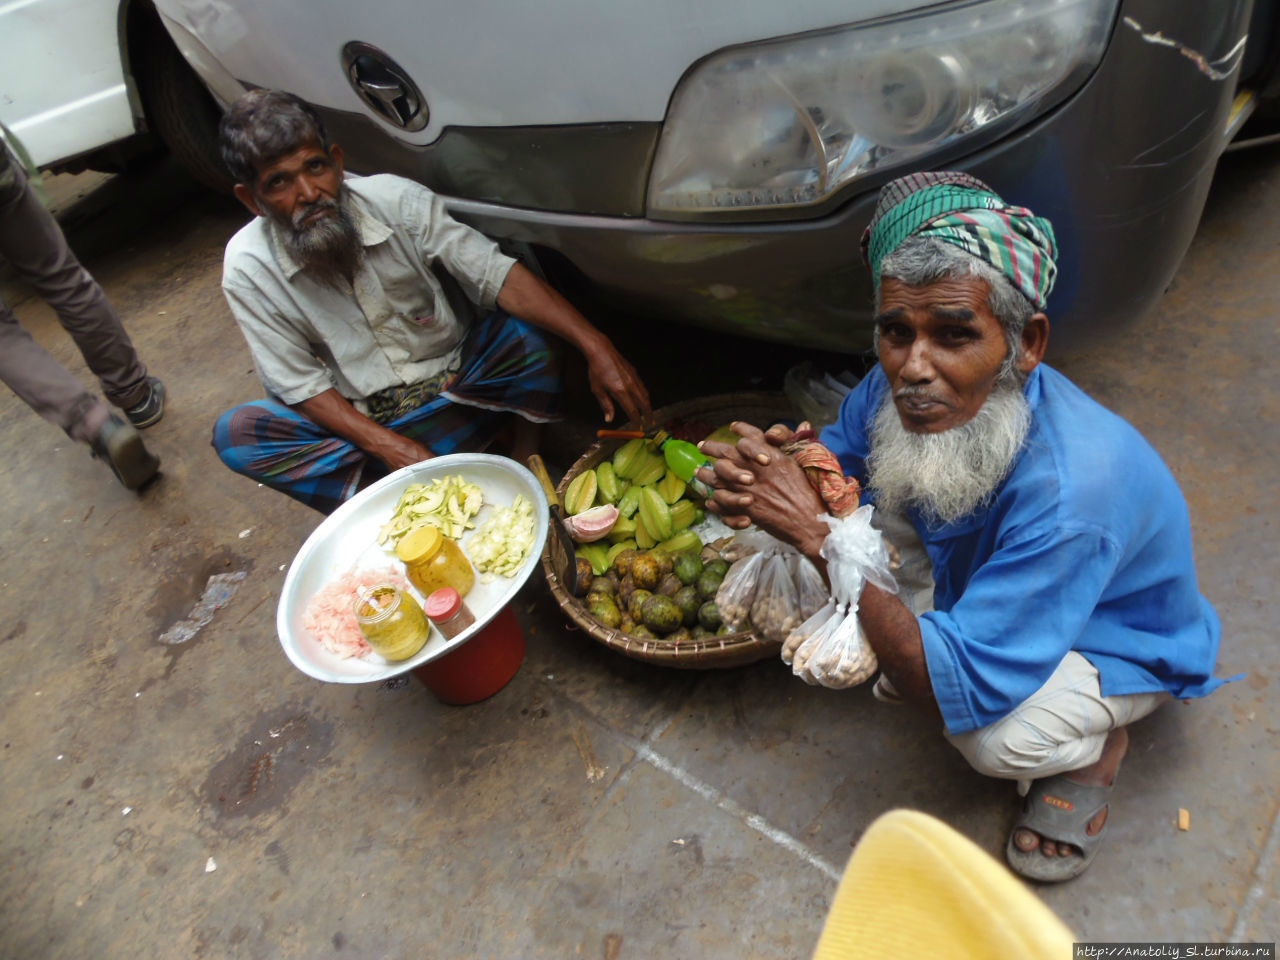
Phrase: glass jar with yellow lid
(391, 621)
(433, 562)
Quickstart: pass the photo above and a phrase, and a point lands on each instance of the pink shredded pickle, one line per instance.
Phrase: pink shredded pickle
(330, 613)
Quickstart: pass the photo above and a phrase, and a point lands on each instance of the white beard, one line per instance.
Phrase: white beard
(946, 476)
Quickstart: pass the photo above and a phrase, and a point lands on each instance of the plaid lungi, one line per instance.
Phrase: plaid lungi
(507, 367)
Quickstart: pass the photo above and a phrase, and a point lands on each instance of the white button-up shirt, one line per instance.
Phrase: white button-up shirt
(393, 326)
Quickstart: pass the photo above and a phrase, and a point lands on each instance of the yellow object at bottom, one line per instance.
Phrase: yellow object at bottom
(915, 888)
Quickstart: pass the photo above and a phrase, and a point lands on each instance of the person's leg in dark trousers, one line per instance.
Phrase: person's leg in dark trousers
(33, 244)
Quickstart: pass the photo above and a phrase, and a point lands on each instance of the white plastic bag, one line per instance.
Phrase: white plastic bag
(802, 634)
(776, 607)
(837, 654)
(843, 657)
(741, 588)
(737, 590)
(811, 589)
(817, 396)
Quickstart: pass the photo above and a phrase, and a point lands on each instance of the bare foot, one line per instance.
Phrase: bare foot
(1100, 774)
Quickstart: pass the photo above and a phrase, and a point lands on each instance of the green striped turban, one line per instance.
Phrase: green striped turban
(964, 211)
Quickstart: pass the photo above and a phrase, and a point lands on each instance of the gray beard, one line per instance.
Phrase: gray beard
(330, 248)
(946, 476)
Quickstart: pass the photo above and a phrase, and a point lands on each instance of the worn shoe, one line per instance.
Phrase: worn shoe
(120, 445)
(151, 409)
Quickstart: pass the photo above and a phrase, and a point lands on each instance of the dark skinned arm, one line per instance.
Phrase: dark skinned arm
(612, 378)
(756, 483)
(335, 413)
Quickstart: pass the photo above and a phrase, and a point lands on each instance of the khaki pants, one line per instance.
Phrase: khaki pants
(33, 244)
(1060, 727)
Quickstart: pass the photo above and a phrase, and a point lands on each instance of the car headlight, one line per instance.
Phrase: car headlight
(787, 123)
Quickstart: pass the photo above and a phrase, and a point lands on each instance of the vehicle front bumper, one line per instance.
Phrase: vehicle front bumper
(1122, 169)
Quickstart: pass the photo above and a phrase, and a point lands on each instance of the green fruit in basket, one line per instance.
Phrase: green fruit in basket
(724, 629)
(723, 434)
(688, 567)
(708, 583)
(654, 469)
(581, 493)
(660, 614)
(628, 458)
(604, 610)
(603, 585)
(709, 616)
(609, 488)
(625, 589)
(664, 565)
(623, 529)
(646, 571)
(701, 633)
(671, 487)
(683, 542)
(643, 632)
(617, 550)
(669, 585)
(627, 625)
(621, 557)
(645, 539)
(687, 600)
(595, 554)
(682, 635)
(629, 502)
(655, 513)
(718, 567)
(635, 606)
(584, 577)
(683, 513)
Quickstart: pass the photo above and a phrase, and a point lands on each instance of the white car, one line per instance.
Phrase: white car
(93, 83)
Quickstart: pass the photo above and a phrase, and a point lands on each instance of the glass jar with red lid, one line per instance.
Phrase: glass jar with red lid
(445, 609)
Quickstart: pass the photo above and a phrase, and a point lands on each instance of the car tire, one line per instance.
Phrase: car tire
(184, 115)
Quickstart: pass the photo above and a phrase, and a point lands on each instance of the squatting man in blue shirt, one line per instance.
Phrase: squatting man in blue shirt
(1064, 602)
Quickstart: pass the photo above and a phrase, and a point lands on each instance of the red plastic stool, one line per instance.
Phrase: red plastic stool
(480, 667)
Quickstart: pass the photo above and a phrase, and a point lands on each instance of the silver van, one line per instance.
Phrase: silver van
(716, 162)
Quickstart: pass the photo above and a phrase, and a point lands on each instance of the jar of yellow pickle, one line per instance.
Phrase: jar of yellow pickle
(433, 562)
(392, 621)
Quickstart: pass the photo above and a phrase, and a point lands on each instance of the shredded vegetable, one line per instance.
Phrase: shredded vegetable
(504, 540)
(447, 503)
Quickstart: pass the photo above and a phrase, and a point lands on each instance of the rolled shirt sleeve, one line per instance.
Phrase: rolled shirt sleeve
(1021, 612)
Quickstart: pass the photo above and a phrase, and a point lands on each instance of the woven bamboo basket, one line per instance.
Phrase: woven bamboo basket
(729, 650)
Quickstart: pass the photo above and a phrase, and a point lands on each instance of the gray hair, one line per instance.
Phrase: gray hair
(264, 125)
(920, 261)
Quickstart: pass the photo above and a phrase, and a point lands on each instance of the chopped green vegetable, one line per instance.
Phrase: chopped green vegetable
(447, 503)
(504, 540)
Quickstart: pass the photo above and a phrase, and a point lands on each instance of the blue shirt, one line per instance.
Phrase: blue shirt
(1085, 546)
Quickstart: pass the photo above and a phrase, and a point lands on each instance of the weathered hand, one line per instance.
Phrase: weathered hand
(612, 379)
(779, 434)
(397, 451)
(756, 483)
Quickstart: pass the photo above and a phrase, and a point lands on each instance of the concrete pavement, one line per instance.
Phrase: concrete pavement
(206, 799)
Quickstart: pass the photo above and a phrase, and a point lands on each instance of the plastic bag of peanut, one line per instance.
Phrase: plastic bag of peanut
(748, 552)
(838, 655)
(775, 611)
